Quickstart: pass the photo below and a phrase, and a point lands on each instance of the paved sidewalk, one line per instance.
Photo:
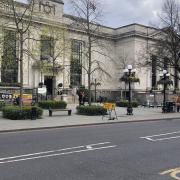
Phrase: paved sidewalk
(60, 119)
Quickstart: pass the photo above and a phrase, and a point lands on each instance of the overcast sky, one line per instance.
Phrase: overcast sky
(122, 12)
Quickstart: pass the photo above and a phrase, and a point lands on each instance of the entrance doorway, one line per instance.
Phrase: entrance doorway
(48, 81)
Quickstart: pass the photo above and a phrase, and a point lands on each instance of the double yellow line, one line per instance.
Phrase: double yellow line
(174, 173)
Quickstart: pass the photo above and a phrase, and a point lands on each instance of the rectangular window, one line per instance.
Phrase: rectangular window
(154, 71)
(9, 64)
(76, 63)
(165, 64)
(47, 48)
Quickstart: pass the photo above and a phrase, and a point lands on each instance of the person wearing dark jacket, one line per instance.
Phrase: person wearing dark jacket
(178, 103)
(80, 98)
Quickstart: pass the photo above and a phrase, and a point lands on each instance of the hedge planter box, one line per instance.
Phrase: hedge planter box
(2, 105)
(15, 113)
(52, 104)
(91, 110)
(126, 103)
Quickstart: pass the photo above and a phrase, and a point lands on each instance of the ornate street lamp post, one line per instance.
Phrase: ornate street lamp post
(165, 81)
(129, 73)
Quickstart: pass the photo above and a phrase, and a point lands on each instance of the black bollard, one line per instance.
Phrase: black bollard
(33, 113)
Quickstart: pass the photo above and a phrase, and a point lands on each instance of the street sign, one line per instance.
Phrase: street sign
(42, 90)
(6, 96)
(109, 106)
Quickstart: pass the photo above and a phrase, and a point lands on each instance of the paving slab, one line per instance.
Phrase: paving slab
(61, 119)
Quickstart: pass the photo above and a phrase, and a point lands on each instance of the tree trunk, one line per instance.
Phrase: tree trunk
(89, 56)
(176, 78)
(89, 72)
(53, 87)
(89, 89)
(53, 81)
(21, 70)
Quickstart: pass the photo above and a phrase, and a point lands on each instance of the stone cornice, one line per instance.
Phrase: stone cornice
(114, 34)
(58, 1)
(108, 36)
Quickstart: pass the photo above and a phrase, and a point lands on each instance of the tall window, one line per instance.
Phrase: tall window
(9, 64)
(154, 71)
(76, 63)
(47, 47)
(165, 64)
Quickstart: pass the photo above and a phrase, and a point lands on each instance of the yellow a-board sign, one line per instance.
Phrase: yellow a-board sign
(109, 106)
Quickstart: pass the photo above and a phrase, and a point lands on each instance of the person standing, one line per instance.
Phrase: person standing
(83, 98)
(18, 100)
(178, 103)
(100, 99)
(80, 98)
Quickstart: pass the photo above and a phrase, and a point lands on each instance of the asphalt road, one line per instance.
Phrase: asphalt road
(134, 151)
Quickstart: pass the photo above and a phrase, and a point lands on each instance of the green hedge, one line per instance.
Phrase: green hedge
(52, 104)
(125, 103)
(15, 113)
(2, 104)
(91, 110)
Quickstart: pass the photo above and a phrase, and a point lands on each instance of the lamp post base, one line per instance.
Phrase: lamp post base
(129, 111)
(164, 109)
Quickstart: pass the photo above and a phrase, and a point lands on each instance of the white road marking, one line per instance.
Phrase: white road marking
(98, 144)
(147, 138)
(40, 153)
(53, 155)
(89, 147)
(162, 137)
(175, 137)
(47, 154)
(52, 151)
(176, 132)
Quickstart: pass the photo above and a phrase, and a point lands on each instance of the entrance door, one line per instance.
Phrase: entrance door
(48, 81)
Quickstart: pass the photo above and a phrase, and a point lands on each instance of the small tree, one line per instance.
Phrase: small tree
(19, 17)
(88, 13)
(53, 58)
(165, 49)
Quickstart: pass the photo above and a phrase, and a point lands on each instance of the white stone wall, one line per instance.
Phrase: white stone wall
(125, 55)
(49, 10)
(143, 72)
(117, 48)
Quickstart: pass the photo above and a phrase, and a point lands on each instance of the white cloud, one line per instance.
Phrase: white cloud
(122, 12)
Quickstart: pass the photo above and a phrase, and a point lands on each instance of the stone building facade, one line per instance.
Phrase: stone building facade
(51, 33)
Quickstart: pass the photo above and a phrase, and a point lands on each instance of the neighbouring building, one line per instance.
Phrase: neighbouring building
(124, 45)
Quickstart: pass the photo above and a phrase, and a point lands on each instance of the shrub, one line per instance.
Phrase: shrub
(15, 113)
(132, 78)
(125, 103)
(135, 104)
(2, 104)
(91, 110)
(52, 104)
